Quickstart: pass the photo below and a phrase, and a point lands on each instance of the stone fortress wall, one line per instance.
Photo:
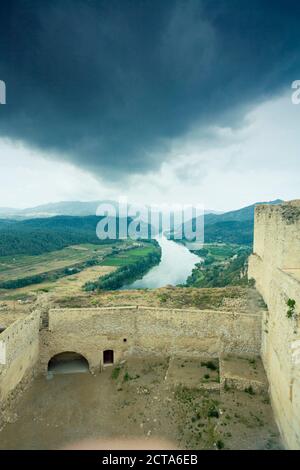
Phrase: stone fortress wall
(20, 352)
(32, 341)
(140, 330)
(275, 266)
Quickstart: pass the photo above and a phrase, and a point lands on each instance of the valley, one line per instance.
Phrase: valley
(223, 264)
(69, 269)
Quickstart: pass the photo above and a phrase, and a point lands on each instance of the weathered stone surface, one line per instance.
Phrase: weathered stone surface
(128, 331)
(243, 373)
(164, 332)
(275, 266)
(21, 340)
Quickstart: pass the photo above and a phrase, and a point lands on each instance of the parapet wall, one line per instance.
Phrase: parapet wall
(275, 266)
(276, 244)
(143, 330)
(20, 353)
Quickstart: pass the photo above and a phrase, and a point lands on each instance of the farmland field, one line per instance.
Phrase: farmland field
(20, 266)
(127, 257)
(66, 270)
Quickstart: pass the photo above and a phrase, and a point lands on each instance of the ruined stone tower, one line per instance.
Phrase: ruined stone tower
(275, 266)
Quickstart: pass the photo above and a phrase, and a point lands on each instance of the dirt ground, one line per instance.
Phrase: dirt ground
(10, 311)
(227, 299)
(141, 398)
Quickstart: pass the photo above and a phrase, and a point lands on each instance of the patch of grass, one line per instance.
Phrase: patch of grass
(210, 365)
(252, 362)
(226, 386)
(128, 377)
(213, 412)
(220, 444)
(162, 297)
(115, 373)
(186, 396)
(266, 400)
(249, 390)
(291, 303)
(128, 257)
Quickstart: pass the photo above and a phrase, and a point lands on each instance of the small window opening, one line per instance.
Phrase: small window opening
(108, 356)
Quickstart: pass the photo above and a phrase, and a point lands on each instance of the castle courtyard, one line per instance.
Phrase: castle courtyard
(142, 398)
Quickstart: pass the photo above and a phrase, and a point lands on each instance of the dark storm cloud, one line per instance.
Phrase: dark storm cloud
(105, 83)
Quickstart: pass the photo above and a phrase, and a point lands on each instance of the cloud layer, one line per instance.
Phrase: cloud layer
(227, 169)
(107, 85)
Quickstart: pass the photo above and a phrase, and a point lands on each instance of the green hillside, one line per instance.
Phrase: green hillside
(37, 236)
(239, 215)
(235, 227)
(240, 233)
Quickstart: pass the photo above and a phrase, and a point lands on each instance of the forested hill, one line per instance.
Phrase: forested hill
(231, 227)
(239, 215)
(231, 231)
(36, 236)
(40, 235)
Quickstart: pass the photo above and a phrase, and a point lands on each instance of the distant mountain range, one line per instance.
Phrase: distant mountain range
(239, 215)
(74, 208)
(30, 234)
(231, 227)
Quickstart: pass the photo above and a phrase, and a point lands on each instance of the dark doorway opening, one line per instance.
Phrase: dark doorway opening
(108, 356)
(68, 363)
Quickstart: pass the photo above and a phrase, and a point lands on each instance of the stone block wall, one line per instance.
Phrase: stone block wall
(20, 353)
(275, 266)
(153, 331)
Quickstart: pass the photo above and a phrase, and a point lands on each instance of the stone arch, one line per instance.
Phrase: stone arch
(68, 362)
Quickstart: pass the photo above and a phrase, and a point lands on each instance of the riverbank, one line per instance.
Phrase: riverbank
(66, 271)
(222, 265)
(176, 264)
(135, 268)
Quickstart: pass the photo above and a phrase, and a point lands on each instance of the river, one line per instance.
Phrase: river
(176, 264)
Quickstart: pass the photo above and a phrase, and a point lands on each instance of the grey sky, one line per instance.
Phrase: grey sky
(161, 101)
